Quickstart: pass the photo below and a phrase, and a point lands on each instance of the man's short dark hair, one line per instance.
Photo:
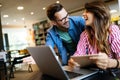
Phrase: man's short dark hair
(52, 9)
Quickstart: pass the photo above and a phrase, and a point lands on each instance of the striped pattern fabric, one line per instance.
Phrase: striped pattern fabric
(114, 40)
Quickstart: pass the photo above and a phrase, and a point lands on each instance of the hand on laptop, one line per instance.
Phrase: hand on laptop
(74, 65)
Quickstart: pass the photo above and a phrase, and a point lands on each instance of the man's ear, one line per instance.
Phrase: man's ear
(53, 23)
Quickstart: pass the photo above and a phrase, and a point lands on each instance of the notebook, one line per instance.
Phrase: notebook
(45, 58)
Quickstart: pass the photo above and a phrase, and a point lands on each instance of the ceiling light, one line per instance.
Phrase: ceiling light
(113, 11)
(43, 8)
(0, 5)
(20, 7)
(5, 16)
(23, 19)
(57, 1)
(32, 13)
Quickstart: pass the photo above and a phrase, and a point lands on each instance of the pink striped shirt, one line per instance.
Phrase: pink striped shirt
(114, 40)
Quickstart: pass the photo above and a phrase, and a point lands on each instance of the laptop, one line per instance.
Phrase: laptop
(47, 62)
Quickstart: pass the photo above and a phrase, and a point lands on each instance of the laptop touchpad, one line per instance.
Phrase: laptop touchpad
(72, 74)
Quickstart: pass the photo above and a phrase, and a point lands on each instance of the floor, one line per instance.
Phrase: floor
(23, 74)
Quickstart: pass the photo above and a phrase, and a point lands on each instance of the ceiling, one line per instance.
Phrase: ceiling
(9, 7)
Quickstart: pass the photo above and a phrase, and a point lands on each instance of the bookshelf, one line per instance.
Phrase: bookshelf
(40, 32)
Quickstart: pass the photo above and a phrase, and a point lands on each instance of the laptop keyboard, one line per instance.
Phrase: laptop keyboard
(72, 74)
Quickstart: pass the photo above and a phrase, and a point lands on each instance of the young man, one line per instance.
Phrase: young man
(65, 32)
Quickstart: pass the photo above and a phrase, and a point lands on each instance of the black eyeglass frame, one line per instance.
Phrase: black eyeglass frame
(64, 18)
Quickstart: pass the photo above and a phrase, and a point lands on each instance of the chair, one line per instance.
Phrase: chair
(3, 70)
(16, 60)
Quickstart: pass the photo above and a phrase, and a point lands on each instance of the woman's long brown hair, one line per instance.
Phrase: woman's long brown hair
(98, 34)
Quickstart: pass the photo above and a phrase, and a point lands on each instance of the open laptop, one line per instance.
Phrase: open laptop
(45, 58)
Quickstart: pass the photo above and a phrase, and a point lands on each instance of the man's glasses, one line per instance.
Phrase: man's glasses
(63, 19)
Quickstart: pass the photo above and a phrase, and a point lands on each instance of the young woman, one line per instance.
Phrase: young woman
(100, 37)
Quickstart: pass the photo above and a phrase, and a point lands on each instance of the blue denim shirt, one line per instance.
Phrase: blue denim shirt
(77, 25)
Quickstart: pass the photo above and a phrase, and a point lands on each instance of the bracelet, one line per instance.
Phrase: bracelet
(117, 63)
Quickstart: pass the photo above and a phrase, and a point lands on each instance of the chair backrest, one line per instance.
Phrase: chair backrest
(18, 60)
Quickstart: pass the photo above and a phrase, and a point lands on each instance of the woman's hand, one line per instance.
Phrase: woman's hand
(73, 64)
(101, 60)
